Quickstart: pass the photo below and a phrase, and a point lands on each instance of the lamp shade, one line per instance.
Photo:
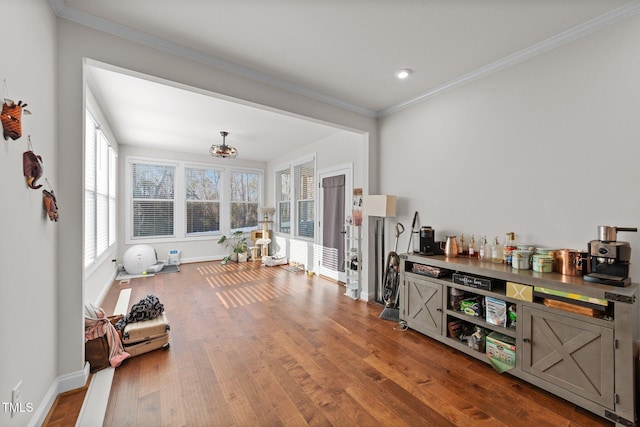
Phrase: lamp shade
(379, 205)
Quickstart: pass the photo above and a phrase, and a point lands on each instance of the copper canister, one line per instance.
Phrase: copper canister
(571, 262)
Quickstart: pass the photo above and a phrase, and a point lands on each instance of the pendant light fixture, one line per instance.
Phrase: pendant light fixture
(224, 150)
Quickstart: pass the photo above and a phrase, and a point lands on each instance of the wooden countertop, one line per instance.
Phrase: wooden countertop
(557, 281)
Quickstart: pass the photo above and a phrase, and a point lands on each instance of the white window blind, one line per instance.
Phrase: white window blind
(112, 197)
(245, 192)
(305, 199)
(152, 199)
(102, 194)
(99, 193)
(202, 188)
(90, 192)
(283, 194)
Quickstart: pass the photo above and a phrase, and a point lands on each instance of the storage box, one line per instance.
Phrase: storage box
(501, 348)
(496, 311)
(520, 291)
(471, 281)
(571, 296)
(428, 270)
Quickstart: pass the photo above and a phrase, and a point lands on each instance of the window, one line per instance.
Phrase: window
(99, 193)
(295, 192)
(283, 191)
(245, 191)
(152, 199)
(305, 199)
(176, 200)
(202, 187)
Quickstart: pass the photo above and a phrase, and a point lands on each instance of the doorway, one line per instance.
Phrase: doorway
(335, 190)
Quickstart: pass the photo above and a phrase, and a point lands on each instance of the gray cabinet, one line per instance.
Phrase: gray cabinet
(576, 355)
(422, 304)
(590, 360)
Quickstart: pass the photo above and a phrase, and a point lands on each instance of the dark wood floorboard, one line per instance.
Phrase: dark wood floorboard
(260, 346)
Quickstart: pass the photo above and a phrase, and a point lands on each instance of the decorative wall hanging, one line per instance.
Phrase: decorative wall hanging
(50, 203)
(32, 167)
(11, 118)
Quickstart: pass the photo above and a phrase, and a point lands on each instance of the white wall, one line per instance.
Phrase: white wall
(28, 295)
(548, 149)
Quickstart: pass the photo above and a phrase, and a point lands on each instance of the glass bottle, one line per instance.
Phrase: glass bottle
(484, 251)
(461, 247)
(509, 247)
(473, 252)
(496, 252)
(505, 248)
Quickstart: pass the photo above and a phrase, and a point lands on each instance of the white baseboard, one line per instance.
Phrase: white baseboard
(201, 259)
(96, 400)
(60, 385)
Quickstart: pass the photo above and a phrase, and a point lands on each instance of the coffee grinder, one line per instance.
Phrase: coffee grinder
(428, 245)
(608, 258)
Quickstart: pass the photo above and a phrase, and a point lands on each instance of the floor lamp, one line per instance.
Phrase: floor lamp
(379, 206)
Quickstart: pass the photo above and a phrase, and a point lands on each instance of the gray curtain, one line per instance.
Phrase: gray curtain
(333, 223)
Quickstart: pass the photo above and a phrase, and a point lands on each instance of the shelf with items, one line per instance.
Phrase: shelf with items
(353, 260)
(573, 338)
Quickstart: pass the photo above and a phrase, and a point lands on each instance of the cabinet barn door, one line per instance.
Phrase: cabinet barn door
(572, 354)
(423, 305)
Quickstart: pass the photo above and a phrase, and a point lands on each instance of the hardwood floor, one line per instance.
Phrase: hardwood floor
(261, 346)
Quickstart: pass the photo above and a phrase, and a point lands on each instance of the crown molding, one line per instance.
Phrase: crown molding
(573, 34)
(610, 18)
(63, 11)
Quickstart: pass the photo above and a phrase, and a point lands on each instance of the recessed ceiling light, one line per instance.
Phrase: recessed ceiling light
(403, 74)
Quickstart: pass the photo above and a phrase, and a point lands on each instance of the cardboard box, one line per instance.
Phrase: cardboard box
(501, 348)
(520, 291)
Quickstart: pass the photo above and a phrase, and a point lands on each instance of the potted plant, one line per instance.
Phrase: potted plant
(237, 241)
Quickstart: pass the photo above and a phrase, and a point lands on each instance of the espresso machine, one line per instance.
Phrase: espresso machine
(609, 259)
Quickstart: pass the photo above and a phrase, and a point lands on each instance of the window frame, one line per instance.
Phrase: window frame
(294, 199)
(220, 200)
(259, 201)
(107, 191)
(280, 200)
(180, 207)
(130, 200)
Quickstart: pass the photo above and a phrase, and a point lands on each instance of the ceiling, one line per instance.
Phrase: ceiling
(342, 52)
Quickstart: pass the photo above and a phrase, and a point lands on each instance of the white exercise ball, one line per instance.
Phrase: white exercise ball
(138, 259)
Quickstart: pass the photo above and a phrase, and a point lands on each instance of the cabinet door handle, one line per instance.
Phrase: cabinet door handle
(439, 309)
(527, 340)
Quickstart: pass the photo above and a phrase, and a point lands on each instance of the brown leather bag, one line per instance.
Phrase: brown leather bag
(96, 352)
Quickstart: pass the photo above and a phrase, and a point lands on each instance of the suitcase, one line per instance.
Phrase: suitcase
(145, 336)
(145, 346)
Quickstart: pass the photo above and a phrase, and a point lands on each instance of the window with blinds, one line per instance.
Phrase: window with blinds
(99, 193)
(152, 199)
(283, 195)
(245, 196)
(202, 187)
(305, 199)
